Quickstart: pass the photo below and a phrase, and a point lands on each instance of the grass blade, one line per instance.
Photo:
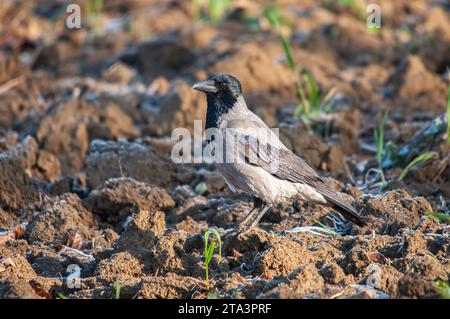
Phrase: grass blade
(273, 16)
(217, 9)
(209, 251)
(219, 240)
(207, 233)
(444, 289)
(117, 288)
(288, 51)
(379, 139)
(416, 162)
(326, 229)
(313, 91)
(442, 217)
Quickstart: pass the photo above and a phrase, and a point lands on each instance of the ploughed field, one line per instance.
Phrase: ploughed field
(88, 188)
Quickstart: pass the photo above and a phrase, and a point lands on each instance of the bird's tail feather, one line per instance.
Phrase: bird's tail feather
(346, 210)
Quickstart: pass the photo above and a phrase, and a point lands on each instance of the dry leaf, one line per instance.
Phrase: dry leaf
(267, 275)
(19, 231)
(377, 258)
(75, 241)
(39, 291)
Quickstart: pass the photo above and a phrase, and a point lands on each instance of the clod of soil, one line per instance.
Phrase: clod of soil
(68, 128)
(411, 79)
(398, 208)
(170, 286)
(161, 57)
(120, 197)
(119, 266)
(179, 108)
(136, 160)
(142, 230)
(54, 225)
(16, 187)
(17, 289)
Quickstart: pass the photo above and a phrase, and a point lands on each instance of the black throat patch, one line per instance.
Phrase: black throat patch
(218, 104)
(228, 90)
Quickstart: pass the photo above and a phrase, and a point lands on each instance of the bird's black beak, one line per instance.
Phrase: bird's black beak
(207, 86)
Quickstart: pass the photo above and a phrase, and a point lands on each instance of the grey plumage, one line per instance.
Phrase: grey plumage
(264, 167)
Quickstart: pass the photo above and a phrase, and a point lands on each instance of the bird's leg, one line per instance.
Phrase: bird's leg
(253, 216)
(250, 221)
(257, 203)
(259, 216)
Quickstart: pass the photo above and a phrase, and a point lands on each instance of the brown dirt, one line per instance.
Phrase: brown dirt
(86, 176)
(55, 224)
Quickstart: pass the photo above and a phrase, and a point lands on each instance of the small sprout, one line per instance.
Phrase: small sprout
(212, 295)
(444, 288)
(356, 7)
(327, 230)
(209, 251)
(422, 158)
(215, 10)
(346, 3)
(314, 104)
(61, 295)
(390, 157)
(441, 217)
(379, 139)
(311, 104)
(433, 258)
(117, 288)
(201, 188)
(373, 30)
(379, 143)
(93, 7)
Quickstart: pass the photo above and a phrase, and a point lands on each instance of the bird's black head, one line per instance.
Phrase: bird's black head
(222, 91)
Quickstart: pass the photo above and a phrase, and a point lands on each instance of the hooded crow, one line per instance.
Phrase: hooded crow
(261, 165)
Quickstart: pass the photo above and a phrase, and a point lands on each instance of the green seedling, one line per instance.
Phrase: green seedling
(93, 7)
(378, 135)
(210, 246)
(316, 103)
(374, 30)
(212, 295)
(327, 230)
(92, 10)
(379, 139)
(422, 158)
(444, 288)
(197, 9)
(355, 6)
(312, 104)
(346, 3)
(215, 10)
(117, 288)
(201, 188)
(441, 217)
(61, 295)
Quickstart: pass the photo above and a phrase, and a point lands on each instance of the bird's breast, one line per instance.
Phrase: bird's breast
(257, 182)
